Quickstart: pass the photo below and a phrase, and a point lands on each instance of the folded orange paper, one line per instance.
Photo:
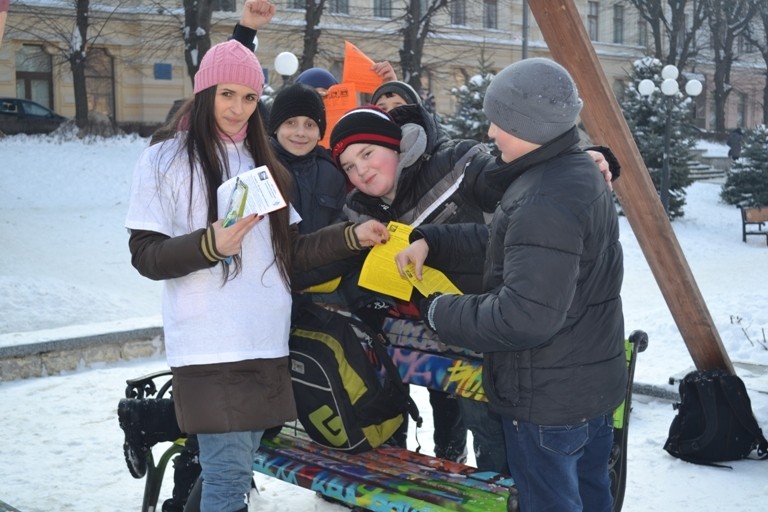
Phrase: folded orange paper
(357, 70)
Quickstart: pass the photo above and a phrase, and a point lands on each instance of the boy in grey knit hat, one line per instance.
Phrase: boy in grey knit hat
(534, 100)
(394, 94)
(549, 319)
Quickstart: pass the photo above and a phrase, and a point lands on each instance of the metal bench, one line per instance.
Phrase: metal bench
(753, 220)
(389, 478)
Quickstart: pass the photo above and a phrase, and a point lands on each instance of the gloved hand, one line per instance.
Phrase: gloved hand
(373, 314)
(426, 310)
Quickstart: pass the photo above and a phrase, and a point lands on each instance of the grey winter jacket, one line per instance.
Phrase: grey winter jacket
(550, 322)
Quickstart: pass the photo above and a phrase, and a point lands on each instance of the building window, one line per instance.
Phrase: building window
(382, 8)
(458, 12)
(642, 32)
(593, 15)
(490, 14)
(100, 82)
(338, 6)
(34, 77)
(619, 89)
(618, 24)
(682, 33)
(297, 4)
(743, 45)
(223, 5)
(741, 112)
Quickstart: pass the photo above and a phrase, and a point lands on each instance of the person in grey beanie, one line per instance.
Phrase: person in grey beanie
(549, 320)
(394, 94)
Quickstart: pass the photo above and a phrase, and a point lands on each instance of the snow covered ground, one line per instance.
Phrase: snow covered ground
(66, 268)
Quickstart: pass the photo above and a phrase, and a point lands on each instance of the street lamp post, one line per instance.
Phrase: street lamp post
(670, 88)
(286, 64)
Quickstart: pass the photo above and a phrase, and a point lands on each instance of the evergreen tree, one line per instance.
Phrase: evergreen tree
(469, 121)
(646, 117)
(747, 181)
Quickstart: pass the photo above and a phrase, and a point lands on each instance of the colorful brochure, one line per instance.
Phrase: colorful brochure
(253, 191)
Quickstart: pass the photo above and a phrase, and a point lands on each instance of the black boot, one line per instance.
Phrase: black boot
(450, 433)
(145, 423)
(186, 469)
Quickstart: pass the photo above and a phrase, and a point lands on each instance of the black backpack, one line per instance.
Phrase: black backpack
(349, 395)
(714, 421)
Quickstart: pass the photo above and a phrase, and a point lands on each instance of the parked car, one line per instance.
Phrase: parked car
(24, 116)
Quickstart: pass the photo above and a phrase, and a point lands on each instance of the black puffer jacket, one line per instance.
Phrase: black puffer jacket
(429, 158)
(550, 323)
(319, 188)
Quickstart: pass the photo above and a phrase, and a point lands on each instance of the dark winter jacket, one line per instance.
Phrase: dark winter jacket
(734, 143)
(550, 322)
(428, 159)
(318, 196)
(319, 187)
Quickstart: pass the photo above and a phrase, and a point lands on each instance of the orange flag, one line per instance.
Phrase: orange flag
(340, 99)
(357, 70)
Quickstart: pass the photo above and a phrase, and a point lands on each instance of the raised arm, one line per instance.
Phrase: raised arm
(255, 14)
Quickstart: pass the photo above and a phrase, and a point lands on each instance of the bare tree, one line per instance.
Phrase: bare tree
(77, 61)
(71, 31)
(312, 14)
(417, 25)
(757, 35)
(196, 33)
(728, 19)
(674, 28)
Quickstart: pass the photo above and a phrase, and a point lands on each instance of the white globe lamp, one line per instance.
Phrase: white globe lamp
(646, 87)
(286, 64)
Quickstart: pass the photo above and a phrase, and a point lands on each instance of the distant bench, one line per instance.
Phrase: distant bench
(753, 220)
(387, 478)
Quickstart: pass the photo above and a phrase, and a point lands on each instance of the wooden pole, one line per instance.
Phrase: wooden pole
(569, 44)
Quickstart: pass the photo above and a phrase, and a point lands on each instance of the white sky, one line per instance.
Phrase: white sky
(65, 271)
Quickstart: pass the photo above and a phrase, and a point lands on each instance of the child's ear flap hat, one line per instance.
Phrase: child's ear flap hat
(402, 89)
(368, 124)
(533, 99)
(229, 63)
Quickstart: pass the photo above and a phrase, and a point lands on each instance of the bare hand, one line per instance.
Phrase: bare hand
(230, 238)
(256, 13)
(602, 164)
(415, 253)
(371, 232)
(385, 70)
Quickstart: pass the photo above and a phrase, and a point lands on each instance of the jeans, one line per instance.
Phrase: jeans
(227, 469)
(561, 468)
(487, 434)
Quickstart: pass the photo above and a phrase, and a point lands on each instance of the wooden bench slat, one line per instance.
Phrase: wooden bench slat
(383, 479)
(756, 214)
